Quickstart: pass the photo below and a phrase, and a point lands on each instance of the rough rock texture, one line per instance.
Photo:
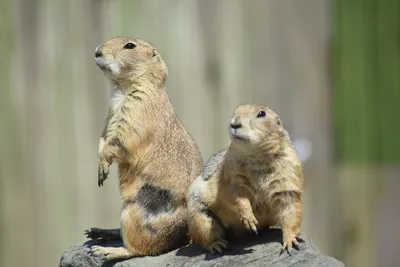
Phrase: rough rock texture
(261, 250)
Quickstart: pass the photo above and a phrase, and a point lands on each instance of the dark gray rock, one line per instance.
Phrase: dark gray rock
(251, 251)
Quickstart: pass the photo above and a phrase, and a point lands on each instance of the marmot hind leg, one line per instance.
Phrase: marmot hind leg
(146, 236)
(112, 253)
(153, 222)
(206, 229)
(154, 234)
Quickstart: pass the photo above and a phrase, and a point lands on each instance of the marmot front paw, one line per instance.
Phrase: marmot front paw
(103, 172)
(218, 246)
(250, 223)
(289, 241)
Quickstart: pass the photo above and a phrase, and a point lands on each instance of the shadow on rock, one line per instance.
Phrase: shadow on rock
(110, 263)
(238, 246)
(191, 251)
(229, 252)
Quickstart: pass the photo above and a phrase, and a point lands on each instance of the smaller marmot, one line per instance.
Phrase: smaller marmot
(157, 158)
(256, 183)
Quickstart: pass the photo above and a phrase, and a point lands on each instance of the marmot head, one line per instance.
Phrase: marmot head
(127, 60)
(256, 126)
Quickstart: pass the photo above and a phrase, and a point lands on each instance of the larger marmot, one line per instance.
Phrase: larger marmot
(157, 158)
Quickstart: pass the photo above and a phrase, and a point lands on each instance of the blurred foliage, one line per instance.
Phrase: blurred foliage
(366, 77)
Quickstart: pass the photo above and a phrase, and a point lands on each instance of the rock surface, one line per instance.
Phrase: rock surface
(261, 250)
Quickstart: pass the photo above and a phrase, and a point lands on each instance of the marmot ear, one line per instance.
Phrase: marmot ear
(154, 52)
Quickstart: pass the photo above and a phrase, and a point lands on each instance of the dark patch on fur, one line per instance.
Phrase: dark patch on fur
(287, 194)
(155, 200)
(147, 227)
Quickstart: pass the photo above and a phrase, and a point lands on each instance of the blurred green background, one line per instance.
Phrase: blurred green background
(330, 69)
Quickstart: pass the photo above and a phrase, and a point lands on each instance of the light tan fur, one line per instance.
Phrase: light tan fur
(157, 158)
(256, 183)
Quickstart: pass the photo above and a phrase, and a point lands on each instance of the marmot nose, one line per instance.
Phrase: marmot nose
(99, 51)
(236, 125)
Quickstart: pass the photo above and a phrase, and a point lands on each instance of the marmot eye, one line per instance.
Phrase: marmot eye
(130, 46)
(278, 121)
(261, 114)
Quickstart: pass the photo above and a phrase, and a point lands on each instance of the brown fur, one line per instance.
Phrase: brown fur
(157, 158)
(255, 183)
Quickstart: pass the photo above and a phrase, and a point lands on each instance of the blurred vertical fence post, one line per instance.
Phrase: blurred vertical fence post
(15, 193)
(5, 105)
(366, 72)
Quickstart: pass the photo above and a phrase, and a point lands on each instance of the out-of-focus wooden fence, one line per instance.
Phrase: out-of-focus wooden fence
(366, 81)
